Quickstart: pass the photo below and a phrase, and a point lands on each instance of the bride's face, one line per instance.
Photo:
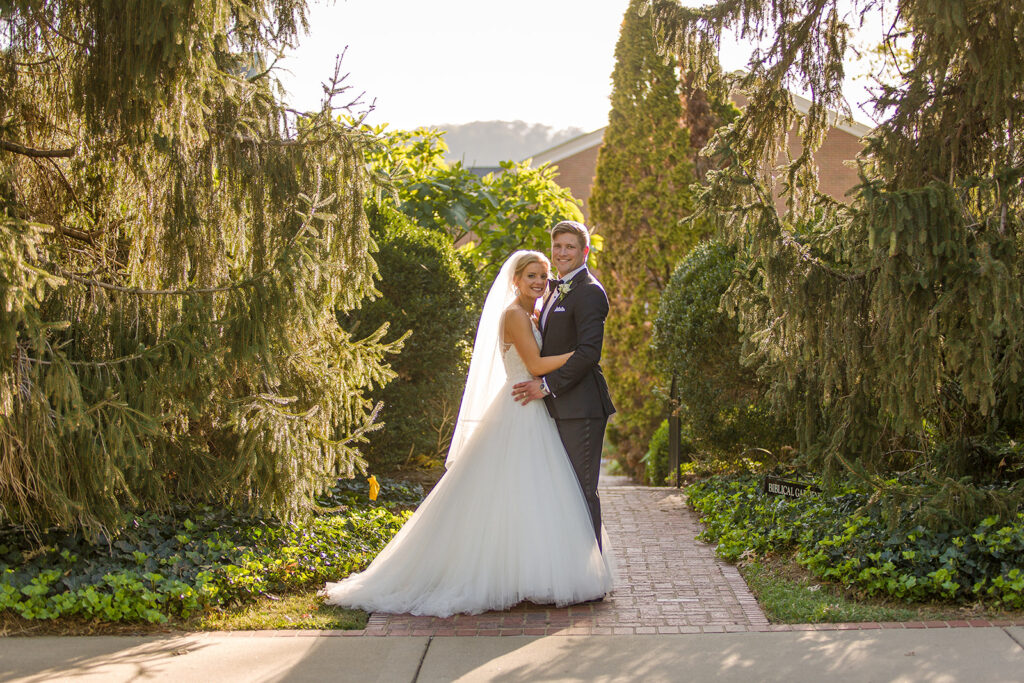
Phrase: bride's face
(533, 281)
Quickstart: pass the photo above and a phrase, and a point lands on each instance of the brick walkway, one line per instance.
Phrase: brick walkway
(667, 582)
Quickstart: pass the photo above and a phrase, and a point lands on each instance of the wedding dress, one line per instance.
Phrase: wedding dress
(506, 523)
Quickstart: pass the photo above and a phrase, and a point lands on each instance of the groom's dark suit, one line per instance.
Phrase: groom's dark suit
(579, 400)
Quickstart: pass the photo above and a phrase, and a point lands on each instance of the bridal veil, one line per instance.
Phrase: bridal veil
(486, 372)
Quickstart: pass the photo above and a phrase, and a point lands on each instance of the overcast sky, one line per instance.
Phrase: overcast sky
(455, 61)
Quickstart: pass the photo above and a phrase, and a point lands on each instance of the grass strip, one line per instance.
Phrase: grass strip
(788, 594)
(301, 610)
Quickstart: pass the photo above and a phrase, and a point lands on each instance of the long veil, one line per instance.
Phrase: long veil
(486, 370)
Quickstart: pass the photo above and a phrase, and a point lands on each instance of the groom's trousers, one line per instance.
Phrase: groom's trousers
(583, 439)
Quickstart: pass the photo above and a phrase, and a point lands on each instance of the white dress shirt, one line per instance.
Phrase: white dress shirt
(552, 298)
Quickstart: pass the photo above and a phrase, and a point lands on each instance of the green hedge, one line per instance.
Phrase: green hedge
(723, 403)
(425, 288)
(164, 566)
(657, 468)
(837, 536)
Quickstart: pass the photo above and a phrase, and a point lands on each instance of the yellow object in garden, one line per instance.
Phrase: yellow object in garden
(374, 487)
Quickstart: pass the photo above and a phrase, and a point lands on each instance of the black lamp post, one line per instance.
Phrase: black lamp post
(673, 429)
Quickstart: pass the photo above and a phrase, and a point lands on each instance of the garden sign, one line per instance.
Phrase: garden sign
(775, 486)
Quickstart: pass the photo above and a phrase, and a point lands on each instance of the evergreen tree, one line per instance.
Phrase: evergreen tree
(895, 325)
(641, 196)
(175, 245)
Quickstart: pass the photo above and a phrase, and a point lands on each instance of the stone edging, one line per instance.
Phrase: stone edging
(569, 631)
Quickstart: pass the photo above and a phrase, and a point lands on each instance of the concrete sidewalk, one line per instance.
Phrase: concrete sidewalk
(940, 655)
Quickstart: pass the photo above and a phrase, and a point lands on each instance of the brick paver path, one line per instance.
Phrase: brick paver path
(668, 582)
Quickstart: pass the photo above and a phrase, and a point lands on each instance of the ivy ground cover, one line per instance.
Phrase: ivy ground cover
(192, 562)
(837, 536)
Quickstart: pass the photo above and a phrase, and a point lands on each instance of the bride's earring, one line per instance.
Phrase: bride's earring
(515, 290)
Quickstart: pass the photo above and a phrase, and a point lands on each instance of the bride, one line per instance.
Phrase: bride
(508, 521)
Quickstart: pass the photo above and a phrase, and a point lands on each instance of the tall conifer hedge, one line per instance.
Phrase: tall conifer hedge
(640, 199)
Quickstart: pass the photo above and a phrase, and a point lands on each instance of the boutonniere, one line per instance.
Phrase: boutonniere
(562, 290)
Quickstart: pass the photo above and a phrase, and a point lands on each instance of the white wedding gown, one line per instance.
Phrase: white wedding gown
(506, 523)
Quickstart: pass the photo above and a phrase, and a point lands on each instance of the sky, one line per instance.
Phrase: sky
(456, 61)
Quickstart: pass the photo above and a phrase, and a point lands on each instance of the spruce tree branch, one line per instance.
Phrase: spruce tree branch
(40, 62)
(891, 36)
(787, 239)
(64, 179)
(277, 143)
(80, 235)
(37, 153)
(315, 203)
(262, 74)
(105, 363)
(41, 18)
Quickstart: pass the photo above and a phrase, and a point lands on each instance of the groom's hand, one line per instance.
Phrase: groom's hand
(524, 392)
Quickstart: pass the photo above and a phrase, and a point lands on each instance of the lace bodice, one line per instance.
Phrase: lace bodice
(515, 369)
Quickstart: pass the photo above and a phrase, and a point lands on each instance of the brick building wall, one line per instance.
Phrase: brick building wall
(837, 172)
(576, 172)
(576, 160)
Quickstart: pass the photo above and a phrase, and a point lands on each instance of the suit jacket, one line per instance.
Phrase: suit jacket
(576, 323)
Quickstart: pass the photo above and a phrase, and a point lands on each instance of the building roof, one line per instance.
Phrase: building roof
(568, 148)
(484, 170)
(856, 128)
(588, 140)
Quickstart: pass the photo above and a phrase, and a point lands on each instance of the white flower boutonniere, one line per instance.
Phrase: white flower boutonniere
(562, 290)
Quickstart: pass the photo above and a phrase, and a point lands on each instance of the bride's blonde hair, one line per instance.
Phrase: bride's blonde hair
(526, 259)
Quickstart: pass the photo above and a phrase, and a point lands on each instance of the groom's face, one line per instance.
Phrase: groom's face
(567, 254)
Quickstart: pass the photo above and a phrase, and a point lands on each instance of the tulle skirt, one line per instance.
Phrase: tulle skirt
(506, 523)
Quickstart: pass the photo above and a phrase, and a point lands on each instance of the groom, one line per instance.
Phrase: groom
(576, 394)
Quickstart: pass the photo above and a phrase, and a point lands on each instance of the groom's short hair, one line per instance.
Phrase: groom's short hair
(574, 227)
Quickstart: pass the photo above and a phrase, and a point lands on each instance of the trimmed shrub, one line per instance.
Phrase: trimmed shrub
(425, 291)
(657, 468)
(723, 403)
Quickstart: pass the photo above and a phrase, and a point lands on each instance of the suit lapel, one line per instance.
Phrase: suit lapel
(578, 279)
(545, 321)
